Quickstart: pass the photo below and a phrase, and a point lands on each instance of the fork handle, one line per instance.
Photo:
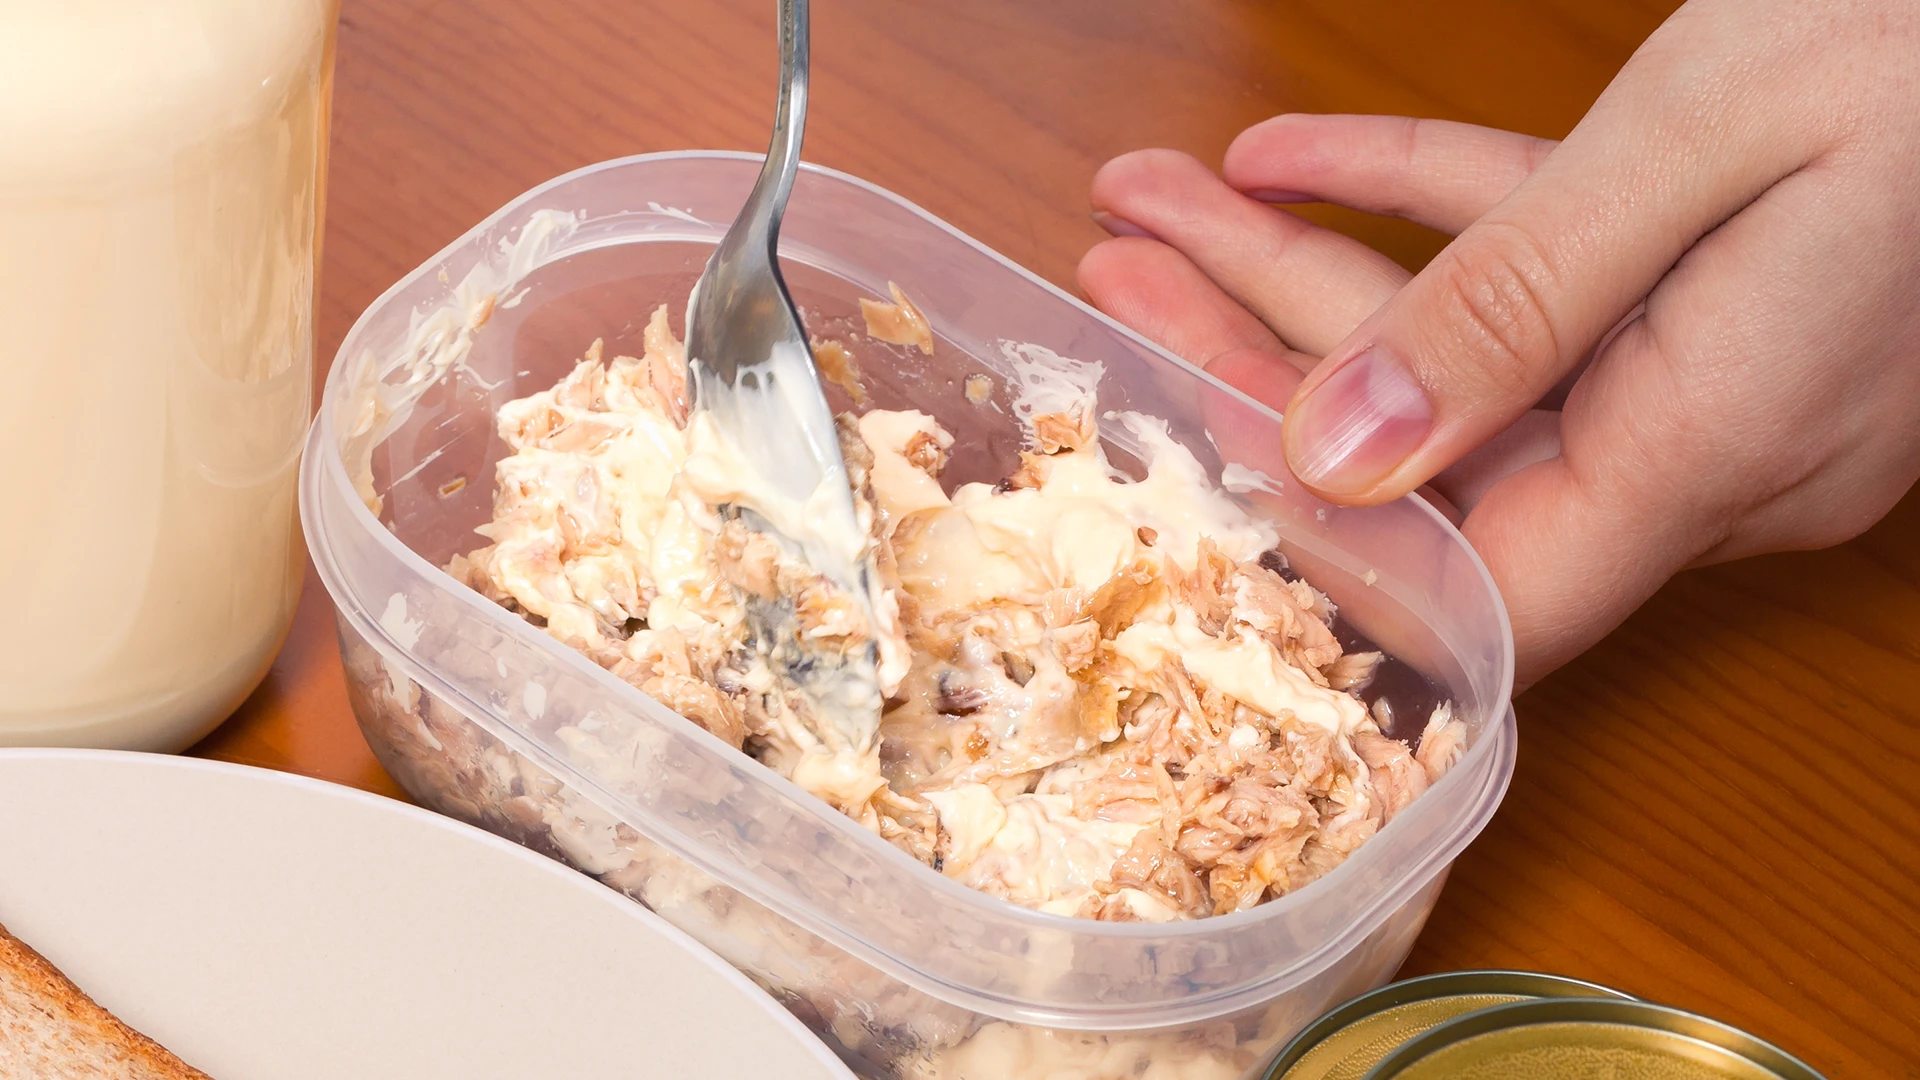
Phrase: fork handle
(789, 126)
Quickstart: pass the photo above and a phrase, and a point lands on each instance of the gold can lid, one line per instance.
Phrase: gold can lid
(1591, 1039)
(1347, 1042)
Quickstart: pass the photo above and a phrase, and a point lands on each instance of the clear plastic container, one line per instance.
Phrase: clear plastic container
(905, 972)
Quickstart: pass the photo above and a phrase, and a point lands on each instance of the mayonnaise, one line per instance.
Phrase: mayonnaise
(160, 210)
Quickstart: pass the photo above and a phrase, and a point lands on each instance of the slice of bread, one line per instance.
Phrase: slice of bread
(49, 1030)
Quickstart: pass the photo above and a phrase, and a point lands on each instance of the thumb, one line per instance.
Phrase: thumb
(1520, 297)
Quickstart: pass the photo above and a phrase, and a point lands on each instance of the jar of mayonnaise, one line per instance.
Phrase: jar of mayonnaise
(161, 192)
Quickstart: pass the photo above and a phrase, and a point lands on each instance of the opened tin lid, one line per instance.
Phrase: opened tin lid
(1587, 1039)
(1347, 1042)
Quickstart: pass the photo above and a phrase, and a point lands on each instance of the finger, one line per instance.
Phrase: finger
(1310, 285)
(1437, 173)
(1161, 294)
(1761, 402)
(1533, 438)
(1777, 401)
(1156, 291)
(1557, 395)
(1576, 541)
(1512, 304)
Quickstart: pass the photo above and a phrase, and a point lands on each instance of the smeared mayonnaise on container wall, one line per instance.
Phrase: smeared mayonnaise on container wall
(160, 201)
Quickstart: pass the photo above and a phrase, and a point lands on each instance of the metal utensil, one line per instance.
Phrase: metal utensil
(751, 371)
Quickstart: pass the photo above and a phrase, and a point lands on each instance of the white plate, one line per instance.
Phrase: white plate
(266, 926)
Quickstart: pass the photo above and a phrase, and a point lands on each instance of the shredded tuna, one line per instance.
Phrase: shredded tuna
(898, 323)
(837, 365)
(1061, 431)
(1105, 709)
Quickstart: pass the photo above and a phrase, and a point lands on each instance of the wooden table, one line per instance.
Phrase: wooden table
(1715, 808)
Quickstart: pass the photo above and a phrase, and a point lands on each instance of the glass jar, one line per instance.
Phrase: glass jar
(161, 193)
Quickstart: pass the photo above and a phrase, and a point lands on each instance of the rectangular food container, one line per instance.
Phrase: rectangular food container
(906, 973)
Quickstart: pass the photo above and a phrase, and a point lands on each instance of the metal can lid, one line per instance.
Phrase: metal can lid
(1589, 1039)
(1345, 1043)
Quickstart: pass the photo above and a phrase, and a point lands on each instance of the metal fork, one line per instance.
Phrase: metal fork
(750, 368)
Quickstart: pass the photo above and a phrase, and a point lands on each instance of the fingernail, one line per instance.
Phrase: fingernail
(1355, 429)
(1275, 195)
(1119, 226)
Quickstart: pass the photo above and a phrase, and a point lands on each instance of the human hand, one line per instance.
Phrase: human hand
(1689, 333)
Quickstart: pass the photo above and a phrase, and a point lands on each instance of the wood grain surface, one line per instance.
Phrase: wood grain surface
(1715, 808)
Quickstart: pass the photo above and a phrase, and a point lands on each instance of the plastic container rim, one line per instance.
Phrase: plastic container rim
(324, 465)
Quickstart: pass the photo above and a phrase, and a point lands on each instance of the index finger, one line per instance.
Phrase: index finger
(1524, 293)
